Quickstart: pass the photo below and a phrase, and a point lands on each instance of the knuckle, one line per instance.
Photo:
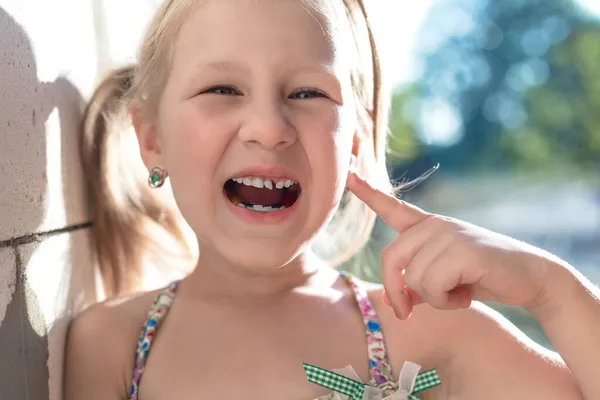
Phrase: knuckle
(450, 240)
(429, 286)
(440, 222)
(435, 296)
(411, 279)
(393, 256)
(386, 256)
(460, 248)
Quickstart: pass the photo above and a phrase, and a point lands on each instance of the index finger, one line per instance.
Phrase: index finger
(396, 213)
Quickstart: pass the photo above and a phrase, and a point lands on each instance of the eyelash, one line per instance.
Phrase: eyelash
(314, 93)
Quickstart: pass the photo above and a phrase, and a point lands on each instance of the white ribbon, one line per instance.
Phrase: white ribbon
(406, 383)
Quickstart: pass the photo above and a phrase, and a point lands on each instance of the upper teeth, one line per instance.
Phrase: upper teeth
(265, 183)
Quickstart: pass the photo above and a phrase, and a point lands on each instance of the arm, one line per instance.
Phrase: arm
(571, 320)
(94, 357)
(494, 360)
(448, 263)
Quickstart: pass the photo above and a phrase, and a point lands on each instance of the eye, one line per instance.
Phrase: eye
(222, 90)
(308, 94)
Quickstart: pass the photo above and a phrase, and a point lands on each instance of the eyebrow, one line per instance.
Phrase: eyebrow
(228, 66)
(225, 66)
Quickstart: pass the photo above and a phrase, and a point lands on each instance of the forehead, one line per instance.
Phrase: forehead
(272, 30)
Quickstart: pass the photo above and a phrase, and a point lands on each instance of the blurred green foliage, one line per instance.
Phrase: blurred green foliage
(403, 144)
(563, 127)
(529, 102)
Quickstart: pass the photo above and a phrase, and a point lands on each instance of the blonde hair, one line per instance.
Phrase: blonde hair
(124, 207)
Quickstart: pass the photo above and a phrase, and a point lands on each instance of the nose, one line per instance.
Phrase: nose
(267, 126)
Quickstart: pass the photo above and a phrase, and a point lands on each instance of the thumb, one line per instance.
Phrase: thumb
(413, 297)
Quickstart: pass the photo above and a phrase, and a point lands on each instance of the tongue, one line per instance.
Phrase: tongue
(263, 197)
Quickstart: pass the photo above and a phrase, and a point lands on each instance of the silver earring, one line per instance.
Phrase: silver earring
(157, 177)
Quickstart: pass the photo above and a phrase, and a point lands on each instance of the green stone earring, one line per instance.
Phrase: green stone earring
(157, 177)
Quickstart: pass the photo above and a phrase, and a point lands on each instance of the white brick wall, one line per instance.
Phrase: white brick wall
(51, 54)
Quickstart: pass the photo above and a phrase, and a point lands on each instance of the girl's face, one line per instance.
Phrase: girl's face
(256, 127)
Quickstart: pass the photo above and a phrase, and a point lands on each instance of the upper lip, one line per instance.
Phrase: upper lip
(267, 171)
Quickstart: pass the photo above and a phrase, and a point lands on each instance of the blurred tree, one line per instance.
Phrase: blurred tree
(563, 126)
(511, 83)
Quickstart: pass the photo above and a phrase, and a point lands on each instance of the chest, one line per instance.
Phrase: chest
(252, 353)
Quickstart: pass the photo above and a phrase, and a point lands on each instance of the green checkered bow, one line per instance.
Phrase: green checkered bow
(334, 381)
(425, 380)
(355, 389)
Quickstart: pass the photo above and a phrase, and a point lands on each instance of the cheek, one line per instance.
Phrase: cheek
(343, 150)
(194, 142)
(193, 149)
(329, 150)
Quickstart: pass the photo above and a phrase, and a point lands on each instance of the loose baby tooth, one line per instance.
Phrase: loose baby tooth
(264, 183)
(258, 183)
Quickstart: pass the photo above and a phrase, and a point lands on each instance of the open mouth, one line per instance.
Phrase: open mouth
(262, 194)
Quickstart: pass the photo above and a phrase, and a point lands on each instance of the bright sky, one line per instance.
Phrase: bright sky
(593, 6)
(401, 21)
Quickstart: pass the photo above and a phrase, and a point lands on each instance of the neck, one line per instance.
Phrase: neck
(214, 276)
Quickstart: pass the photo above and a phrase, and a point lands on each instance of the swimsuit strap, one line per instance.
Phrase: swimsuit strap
(379, 365)
(157, 312)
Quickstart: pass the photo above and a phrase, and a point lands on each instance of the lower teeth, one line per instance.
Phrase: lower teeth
(259, 208)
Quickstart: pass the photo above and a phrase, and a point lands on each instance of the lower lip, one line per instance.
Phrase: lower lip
(256, 217)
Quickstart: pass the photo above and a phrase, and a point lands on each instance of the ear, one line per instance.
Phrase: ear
(356, 141)
(147, 136)
(363, 135)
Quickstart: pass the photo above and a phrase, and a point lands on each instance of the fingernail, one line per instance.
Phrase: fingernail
(397, 314)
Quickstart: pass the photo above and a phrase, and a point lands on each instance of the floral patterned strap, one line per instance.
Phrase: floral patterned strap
(156, 314)
(379, 365)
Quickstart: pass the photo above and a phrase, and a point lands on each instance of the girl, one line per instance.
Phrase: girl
(256, 110)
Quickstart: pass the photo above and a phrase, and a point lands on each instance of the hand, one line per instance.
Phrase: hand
(448, 263)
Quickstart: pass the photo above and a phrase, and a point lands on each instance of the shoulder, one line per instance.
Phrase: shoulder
(101, 344)
(474, 350)
(423, 338)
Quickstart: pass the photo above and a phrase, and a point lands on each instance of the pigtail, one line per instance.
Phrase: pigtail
(123, 208)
